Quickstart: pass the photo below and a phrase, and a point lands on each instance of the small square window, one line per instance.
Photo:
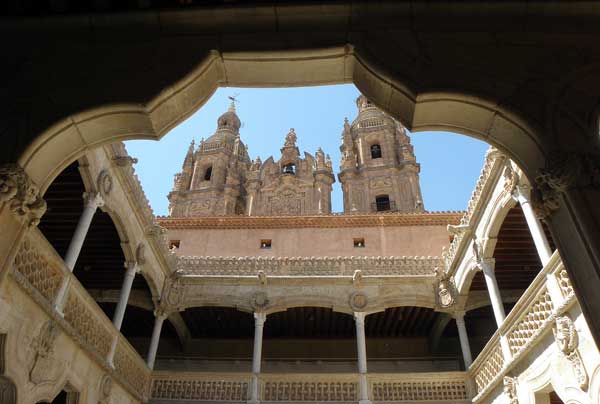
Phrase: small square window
(265, 244)
(359, 243)
(174, 244)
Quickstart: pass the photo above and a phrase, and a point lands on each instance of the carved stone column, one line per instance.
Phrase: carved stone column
(159, 319)
(132, 269)
(92, 201)
(361, 347)
(522, 194)
(567, 196)
(464, 339)
(487, 267)
(259, 322)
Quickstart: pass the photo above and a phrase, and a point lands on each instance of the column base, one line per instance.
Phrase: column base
(365, 402)
(252, 402)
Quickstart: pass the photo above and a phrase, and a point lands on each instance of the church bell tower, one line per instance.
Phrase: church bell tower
(379, 171)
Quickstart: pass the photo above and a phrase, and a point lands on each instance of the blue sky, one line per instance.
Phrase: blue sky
(450, 163)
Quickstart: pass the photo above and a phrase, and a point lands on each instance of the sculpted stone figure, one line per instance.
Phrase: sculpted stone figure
(22, 195)
(510, 389)
(567, 341)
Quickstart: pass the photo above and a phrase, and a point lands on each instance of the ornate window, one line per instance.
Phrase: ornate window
(289, 168)
(375, 151)
(208, 174)
(382, 203)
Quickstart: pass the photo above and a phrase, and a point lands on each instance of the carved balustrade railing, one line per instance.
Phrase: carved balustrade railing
(338, 388)
(309, 266)
(442, 386)
(39, 270)
(548, 296)
(494, 161)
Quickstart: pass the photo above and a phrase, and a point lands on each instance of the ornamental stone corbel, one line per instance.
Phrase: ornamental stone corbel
(445, 290)
(567, 340)
(21, 194)
(510, 389)
(140, 254)
(458, 229)
(357, 278)
(563, 171)
(262, 277)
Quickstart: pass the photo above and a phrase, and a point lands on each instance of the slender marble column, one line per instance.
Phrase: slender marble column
(132, 269)
(361, 347)
(487, 266)
(92, 202)
(523, 195)
(259, 323)
(158, 323)
(464, 339)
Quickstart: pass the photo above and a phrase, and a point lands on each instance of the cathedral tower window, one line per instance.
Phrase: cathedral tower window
(375, 151)
(289, 168)
(359, 243)
(208, 174)
(382, 203)
(265, 244)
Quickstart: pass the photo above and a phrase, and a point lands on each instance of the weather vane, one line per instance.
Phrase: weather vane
(233, 97)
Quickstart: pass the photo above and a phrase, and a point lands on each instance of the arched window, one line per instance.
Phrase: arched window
(382, 203)
(375, 151)
(208, 173)
(289, 169)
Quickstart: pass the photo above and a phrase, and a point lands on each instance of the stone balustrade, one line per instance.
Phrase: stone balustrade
(331, 387)
(308, 266)
(548, 296)
(39, 270)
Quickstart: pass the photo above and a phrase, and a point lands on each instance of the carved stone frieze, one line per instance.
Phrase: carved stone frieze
(358, 301)
(564, 171)
(21, 194)
(510, 389)
(567, 341)
(43, 367)
(445, 290)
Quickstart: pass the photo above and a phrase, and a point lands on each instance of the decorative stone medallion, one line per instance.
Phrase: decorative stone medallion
(444, 289)
(104, 182)
(105, 389)
(358, 301)
(259, 300)
(510, 389)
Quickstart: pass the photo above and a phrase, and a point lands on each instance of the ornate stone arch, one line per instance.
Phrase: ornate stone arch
(469, 115)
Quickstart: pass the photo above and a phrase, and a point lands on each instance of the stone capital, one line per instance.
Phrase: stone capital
(259, 318)
(132, 266)
(93, 199)
(359, 317)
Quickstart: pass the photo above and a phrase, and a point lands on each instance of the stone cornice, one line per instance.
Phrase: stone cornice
(315, 221)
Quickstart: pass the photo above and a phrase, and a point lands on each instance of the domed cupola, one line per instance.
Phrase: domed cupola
(369, 116)
(229, 120)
